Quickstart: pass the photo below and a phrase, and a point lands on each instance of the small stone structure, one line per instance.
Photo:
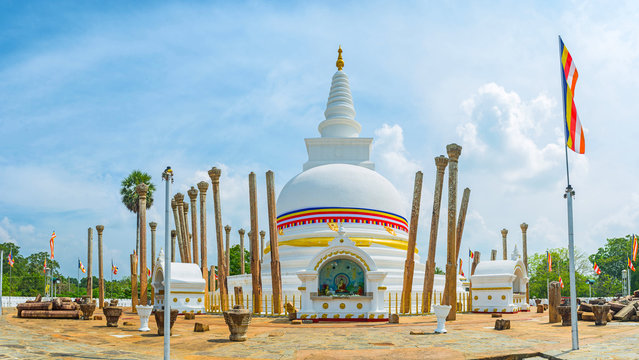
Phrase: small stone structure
(112, 315)
(187, 286)
(553, 302)
(502, 324)
(238, 321)
(601, 314)
(159, 320)
(564, 311)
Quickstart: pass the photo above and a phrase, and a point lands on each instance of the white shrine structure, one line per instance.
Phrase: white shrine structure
(499, 286)
(187, 286)
(342, 226)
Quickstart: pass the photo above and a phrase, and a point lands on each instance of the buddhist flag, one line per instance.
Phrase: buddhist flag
(561, 282)
(148, 272)
(470, 254)
(10, 258)
(549, 261)
(114, 268)
(51, 243)
(634, 248)
(461, 272)
(630, 265)
(597, 269)
(44, 269)
(574, 132)
(81, 267)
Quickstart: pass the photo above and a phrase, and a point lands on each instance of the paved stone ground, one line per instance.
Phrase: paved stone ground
(471, 336)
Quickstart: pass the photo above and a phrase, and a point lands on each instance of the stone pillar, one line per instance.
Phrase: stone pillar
(241, 232)
(493, 255)
(142, 189)
(256, 274)
(554, 299)
(187, 233)
(100, 229)
(173, 235)
(450, 295)
(262, 235)
(153, 225)
(227, 228)
(429, 274)
(212, 279)
(134, 282)
(524, 245)
(203, 186)
(462, 219)
(476, 257)
(504, 243)
(409, 264)
(193, 196)
(90, 265)
(176, 219)
(214, 174)
(276, 272)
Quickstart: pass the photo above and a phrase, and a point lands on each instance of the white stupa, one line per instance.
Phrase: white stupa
(339, 195)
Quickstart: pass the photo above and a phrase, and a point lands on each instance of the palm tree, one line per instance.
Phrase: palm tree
(130, 197)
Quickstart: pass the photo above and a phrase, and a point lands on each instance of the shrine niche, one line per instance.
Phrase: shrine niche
(341, 277)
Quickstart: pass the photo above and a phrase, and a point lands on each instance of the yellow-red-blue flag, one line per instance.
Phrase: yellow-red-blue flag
(573, 130)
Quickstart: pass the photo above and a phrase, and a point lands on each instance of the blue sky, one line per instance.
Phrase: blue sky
(89, 92)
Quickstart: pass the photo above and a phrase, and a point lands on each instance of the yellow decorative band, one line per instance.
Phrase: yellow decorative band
(359, 241)
(301, 288)
(381, 288)
(492, 288)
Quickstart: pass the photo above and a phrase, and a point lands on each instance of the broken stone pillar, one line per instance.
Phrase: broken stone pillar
(493, 255)
(504, 243)
(256, 273)
(601, 314)
(90, 265)
(476, 258)
(222, 271)
(227, 229)
(193, 197)
(564, 312)
(450, 291)
(524, 245)
(212, 281)
(134, 282)
(183, 240)
(153, 226)
(239, 296)
(141, 190)
(173, 235)
(262, 235)
(462, 219)
(176, 219)
(99, 229)
(187, 233)
(241, 232)
(409, 264)
(554, 299)
(276, 272)
(429, 274)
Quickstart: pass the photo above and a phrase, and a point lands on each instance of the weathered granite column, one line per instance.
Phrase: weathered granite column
(524, 244)
(100, 229)
(554, 299)
(409, 264)
(476, 257)
(142, 189)
(227, 228)
(193, 196)
(182, 240)
(214, 174)
(173, 236)
(134, 282)
(493, 255)
(241, 231)
(429, 274)
(462, 220)
(256, 273)
(504, 243)
(203, 186)
(153, 225)
(212, 279)
(187, 233)
(276, 272)
(450, 296)
(262, 235)
(176, 219)
(90, 265)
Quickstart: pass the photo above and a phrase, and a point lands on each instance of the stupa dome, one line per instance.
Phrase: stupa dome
(340, 185)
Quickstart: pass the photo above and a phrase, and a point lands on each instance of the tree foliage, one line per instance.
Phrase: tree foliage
(612, 259)
(538, 272)
(234, 261)
(129, 196)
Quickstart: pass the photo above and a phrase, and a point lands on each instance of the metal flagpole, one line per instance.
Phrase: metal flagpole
(78, 285)
(1, 264)
(167, 176)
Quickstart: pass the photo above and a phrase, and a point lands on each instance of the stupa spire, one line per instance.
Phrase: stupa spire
(340, 111)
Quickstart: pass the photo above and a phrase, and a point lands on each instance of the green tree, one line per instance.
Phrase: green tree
(130, 197)
(538, 272)
(612, 259)
(234, 261)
